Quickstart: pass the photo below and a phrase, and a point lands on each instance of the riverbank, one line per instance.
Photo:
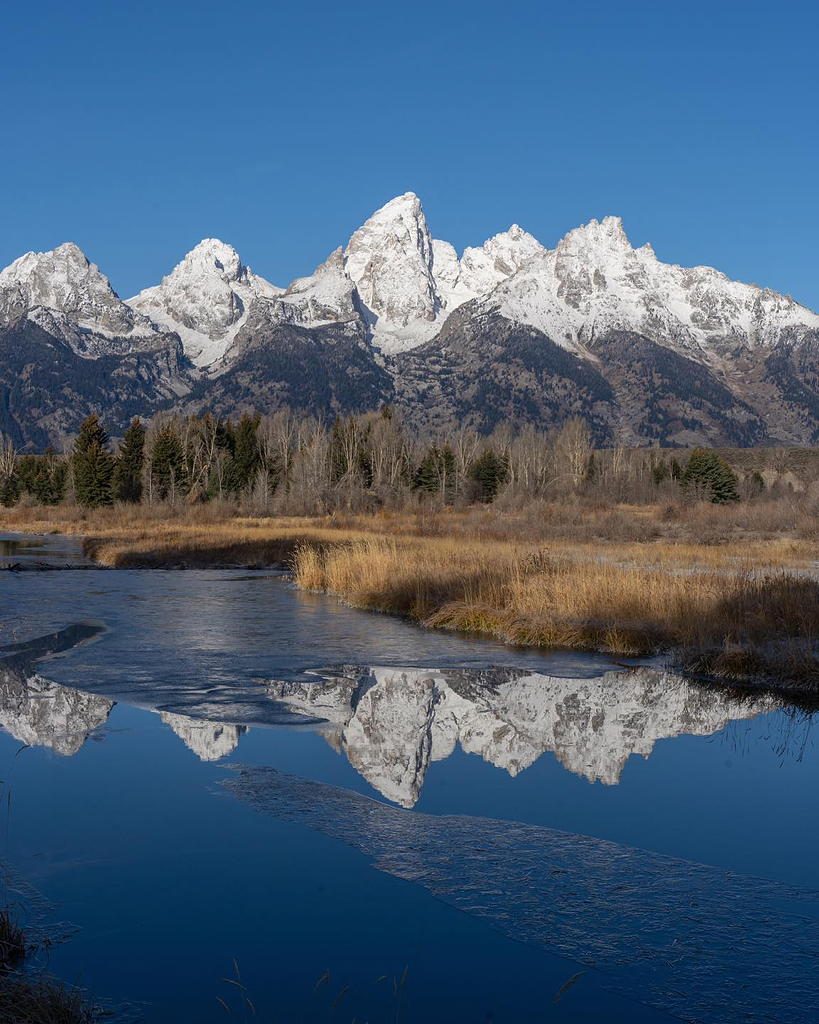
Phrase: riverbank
(742, 607)
(732, 625)
(684, 538)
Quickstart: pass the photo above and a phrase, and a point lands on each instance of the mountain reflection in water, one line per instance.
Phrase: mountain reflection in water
(392, 723)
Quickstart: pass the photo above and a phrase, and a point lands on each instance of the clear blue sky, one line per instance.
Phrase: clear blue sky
(137, 129)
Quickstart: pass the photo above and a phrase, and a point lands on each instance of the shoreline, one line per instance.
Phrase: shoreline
(753, 626)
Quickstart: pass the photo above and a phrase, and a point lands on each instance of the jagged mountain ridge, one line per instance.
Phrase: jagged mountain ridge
(646, 351)
(391, 724)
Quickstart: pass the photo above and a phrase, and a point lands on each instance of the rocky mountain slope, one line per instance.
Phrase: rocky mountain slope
(391, 724)
(646, 351)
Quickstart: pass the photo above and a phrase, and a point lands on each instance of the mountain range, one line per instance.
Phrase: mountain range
(393, 724)
(647, 352)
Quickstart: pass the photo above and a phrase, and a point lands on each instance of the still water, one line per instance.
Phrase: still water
(211, 778)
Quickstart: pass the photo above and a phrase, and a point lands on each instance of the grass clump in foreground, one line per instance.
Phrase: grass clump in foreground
(735, 625)
(30, 999)
(12, 941)
(26, 1000)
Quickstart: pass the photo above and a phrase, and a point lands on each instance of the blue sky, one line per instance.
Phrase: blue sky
(137, 129)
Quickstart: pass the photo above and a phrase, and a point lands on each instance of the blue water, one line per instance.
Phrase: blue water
(172, 878)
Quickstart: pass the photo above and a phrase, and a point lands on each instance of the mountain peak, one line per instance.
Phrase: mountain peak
(325, 296)
(606, 234)
(205, 299)
(212, 256)
(389, 259)
(70, 250)
(64, 280)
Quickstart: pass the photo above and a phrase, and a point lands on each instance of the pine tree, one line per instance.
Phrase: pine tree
(246, 454)
(9, 490)
(9, 473)
(490, 472)
(128, 469)
(168, 474)
(92, 465)
(436, 472)
(710, 477)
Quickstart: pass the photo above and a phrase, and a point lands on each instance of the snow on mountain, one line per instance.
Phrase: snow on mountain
(404, 284)
(393, 723)
(205, 299)
(325, 296)
(389, 259)
(409, 282)
(481, 270)
(69, 296)
(40, 713)
(210, 741)
(594, 281)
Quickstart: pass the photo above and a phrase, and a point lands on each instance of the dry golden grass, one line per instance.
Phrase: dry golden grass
(725, 608)
(215, 534)
(733, 624)
(143, 538)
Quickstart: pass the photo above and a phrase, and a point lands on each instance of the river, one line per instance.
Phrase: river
(230, 799)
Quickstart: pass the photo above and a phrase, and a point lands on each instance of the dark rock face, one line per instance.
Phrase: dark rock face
(47, 390)
(479, 371)
(329, 370)
(486, 370)
(662, 397)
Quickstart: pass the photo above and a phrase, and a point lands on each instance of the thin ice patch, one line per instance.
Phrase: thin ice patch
(705, 944)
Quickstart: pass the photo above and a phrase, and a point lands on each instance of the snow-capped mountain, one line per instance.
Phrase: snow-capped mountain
(66, 294)
(408, 282)
(646, 351)
(480, 270)
(594, 282)
(205, 299)
(327, 296)
(391, 723)
(210, 741)
(40, 713)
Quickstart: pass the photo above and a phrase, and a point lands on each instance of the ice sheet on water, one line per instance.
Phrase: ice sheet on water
(705, 944)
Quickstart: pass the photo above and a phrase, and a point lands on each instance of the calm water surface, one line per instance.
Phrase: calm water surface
(210, 769)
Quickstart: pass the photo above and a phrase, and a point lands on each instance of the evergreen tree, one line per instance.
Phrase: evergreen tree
(660, 472)
(710, 477)
(51, 478)
(168, 474)
(436, 472)
(490, 472)
(246, 455)
(92, 465)
(128, 469)
(9, 489)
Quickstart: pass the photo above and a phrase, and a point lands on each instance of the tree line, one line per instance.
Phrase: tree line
(300, 465)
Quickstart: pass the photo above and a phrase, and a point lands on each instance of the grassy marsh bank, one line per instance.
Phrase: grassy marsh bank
(778, 535)
(734, 625)
(731, 592)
